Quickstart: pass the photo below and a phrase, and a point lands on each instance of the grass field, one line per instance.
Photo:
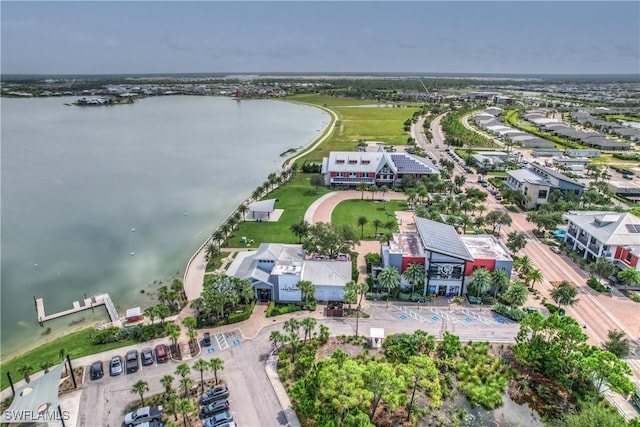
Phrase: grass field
(348, 212)
(76, 344)
(359, 123)
(294, 197)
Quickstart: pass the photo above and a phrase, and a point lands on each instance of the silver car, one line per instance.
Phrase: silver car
(115, 368)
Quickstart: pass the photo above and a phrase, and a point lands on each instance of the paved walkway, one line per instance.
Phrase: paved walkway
(321, 209)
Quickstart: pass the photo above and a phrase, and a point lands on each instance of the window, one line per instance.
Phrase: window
(628, 257)
(542, 194)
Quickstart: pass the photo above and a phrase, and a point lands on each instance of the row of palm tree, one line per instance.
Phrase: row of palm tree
(290, 338)
(181, 404)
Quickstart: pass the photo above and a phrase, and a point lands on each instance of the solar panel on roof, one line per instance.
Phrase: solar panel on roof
(633, 228)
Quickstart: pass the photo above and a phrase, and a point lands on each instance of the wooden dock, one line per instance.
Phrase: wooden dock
(88, 304)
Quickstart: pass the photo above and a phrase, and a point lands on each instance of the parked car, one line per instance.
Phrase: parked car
(219, 419)
(156, 424)
(162, 353)
(555, 249)
(213, 408)
(96, 370)
(115, 368)
(143, 415)
(146, 357)
(206, 341)
(213, 395)
(131, 361)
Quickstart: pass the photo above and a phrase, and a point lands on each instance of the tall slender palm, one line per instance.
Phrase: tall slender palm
(523, 265)
(185, 384)
(186, 407)
(140, 387)
(218, 236)
(216, 364)
(362, 186)
(201, 365)
(276, 339)
(377, 223)
(210, 251)
(243, 209)
(308, 324)
(534, 276)
(167, 382)
(362, 221)
(415, 274)
(183, 370)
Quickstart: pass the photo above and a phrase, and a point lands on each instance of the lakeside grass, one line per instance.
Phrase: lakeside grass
(359, 123)
(76, 344)
(294, 197)
(348, 212)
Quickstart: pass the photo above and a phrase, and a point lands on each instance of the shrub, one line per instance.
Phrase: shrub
(239, 317)
(595, 285)
(270, 308)
(404, 296)
(474, 300)
(382, 296)
(289, 308)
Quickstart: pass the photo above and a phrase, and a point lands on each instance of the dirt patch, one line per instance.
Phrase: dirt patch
(333, 344)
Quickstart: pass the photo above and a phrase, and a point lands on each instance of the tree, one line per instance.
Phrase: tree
(243, 209)
(415, 275)
(140, 387)
(150, 312)
(534, 276)
(516, 294)
(330, 240)
(381, 378)
(307, 289)
(210, 251)
(167, 382)
(317, 180)
(629, 277)
(201, 365)
(25, 370)
(389, 278)
(564, 294)
(495, 218)
(185, 384)
(523, 265)
(459, 180)
(617, 344)
(163, 312)
(603, 367)
(276, 339)
(308, 325)
(422, 374)
(596, 416)
(216, 364)
(350, 296)
(602, 267)
(300, 229)
(183, 370)
(516, 241)
(362, 186)
(377, 223)
(362, 221)
(186, 407)
(360, 290)
(500, 280)
(324, 334)
(480, 282)
(545, 220)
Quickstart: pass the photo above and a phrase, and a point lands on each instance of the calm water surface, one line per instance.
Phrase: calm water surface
(76, 181)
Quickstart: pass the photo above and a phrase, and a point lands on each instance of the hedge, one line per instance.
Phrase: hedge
(240, 317)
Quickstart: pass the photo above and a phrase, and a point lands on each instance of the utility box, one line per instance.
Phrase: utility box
(377, 335)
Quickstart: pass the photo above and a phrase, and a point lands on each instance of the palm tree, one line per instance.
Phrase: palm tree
(24, 370)
(185, 407)
(500, 280)
(243, 209)
(362, 186)
(480, 281)
(389, 278)
(307, 288)
(629, 277)
(523, 265)
(415, 275)
(291, 325)
(276, 339)
(218, 236)
(167, 382)
(324, 334)
(377, 223)
(201, 365)
(210, 251)
(362, 221)
(256, 193)
(534, 276)
(151, 312)
(140, 387)
(564, 294)
(163, 312)
(185, 384)
(183, 370)
(216, 364)
(516, 294)
(308, 324)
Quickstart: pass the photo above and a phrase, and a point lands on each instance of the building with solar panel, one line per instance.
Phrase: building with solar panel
(350, 168)
(612, 235)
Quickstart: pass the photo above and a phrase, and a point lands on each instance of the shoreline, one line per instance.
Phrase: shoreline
(283, 165)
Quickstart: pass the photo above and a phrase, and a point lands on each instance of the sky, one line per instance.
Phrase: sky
(505, 37)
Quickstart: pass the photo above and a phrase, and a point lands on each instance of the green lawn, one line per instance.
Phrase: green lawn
(348, 212)
(76, 344)
(294, 197)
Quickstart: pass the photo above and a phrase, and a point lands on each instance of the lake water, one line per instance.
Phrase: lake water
(77, 180)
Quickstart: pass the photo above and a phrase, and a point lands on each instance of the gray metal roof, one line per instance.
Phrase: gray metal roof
(280, 252)
(263, 206)
(527, 175)
(326, 273)
(607, 227)
(441, 238)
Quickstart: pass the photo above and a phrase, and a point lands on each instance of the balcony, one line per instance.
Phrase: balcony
(594, 248)
(583, 240)
(572, 232)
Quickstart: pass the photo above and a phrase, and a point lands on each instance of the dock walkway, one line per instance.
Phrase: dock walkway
(88, 304)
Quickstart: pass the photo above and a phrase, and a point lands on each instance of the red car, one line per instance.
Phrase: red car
(162, 353)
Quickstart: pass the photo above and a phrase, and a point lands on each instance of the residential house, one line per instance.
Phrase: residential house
(537, 182)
